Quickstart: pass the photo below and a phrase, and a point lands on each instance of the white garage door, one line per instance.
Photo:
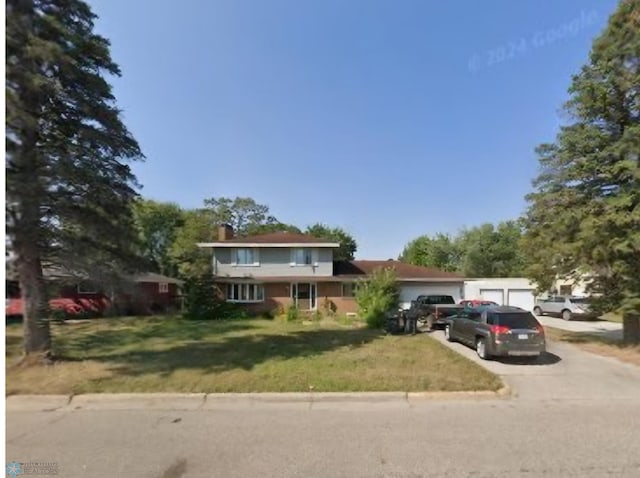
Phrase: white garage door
(522, 298)
(495, 295)
(409, 292)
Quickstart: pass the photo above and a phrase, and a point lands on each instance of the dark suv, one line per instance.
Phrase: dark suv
(497, 331)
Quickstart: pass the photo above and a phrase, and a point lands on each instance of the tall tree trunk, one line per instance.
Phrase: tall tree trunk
(631, 329)
(37, 335)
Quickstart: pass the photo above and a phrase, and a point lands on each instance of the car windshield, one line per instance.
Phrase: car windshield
(439, 299)
(516, 320)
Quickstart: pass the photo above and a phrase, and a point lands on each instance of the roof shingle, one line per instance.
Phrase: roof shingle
(403, 270)
(278, 238)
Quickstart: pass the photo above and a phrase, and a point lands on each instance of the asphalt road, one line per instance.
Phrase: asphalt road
(573, 415)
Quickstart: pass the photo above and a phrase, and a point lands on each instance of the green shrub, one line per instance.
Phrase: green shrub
(293, 313)
(377, 295)
(329, 307)
(316, 316)
(268, 314)
(202, 301)
(59, 315)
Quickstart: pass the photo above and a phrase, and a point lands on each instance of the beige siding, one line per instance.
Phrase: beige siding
(273, 262)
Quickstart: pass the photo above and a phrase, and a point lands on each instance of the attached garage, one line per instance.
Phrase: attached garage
(410, 290)
(516, 291)
(412, 280)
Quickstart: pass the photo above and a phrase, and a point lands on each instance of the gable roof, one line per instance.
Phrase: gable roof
(404, 271)
(273, 239)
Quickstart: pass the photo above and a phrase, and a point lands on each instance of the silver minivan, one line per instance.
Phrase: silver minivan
(566, 307)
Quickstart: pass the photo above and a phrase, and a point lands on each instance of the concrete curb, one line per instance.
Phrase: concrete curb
(212, 401)
(504, 392)
(136, 401)
(32, 403)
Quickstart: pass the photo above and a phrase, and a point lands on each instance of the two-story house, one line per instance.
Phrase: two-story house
(271, 271)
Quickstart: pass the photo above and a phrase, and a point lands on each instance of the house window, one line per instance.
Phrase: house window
(246, 257)
(565, 290)
(301, 257)
(348, 289)
(245, 292)
(163, 287)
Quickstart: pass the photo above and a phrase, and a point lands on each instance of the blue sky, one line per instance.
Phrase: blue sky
(390, 119)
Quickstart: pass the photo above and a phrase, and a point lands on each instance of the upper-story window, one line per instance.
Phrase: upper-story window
(301, 257)
(245, 257)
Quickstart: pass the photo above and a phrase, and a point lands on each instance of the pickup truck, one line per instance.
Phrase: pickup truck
(433, 309)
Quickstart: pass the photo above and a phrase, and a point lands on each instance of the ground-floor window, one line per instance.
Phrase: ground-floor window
(245, 292)
(349, 289)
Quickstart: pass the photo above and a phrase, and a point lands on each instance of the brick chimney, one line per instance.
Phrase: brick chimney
(225, 232)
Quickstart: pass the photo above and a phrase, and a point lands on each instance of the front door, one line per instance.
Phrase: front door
(304, 295)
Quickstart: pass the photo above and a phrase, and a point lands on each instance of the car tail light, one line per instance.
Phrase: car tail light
(540, 329)
(500, 329)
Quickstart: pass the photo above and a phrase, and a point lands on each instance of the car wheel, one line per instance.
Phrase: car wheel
(481, 348)
(447, 333)
(566, 314)
(537, 311)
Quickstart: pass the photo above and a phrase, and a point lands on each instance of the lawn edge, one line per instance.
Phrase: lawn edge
(196, 401)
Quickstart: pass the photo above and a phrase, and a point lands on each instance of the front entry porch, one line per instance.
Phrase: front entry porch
(304, 295)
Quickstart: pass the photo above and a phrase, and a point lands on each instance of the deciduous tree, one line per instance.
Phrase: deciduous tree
(439, 251)
(157, 224)
(244, 214)
(184, 253)
(348, 245)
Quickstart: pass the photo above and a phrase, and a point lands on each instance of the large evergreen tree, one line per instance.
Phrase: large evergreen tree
(585, 211)
(69, 189)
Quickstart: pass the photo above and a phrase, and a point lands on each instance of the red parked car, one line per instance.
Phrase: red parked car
(473, 303)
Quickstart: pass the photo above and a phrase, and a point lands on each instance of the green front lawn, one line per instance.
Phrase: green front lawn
(176, 355)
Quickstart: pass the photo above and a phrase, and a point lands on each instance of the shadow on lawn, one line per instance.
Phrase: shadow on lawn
(76, 344)
(235, 352)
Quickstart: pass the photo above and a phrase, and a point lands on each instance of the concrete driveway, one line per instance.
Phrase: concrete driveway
(564, 372)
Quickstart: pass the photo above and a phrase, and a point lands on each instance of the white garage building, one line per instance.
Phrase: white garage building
(516, 291)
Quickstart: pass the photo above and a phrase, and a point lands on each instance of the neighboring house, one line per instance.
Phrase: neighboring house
(573, 287)
(273, 271)
(148, 293)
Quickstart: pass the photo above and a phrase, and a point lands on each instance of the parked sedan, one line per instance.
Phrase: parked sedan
(565, 307)
(498, 331)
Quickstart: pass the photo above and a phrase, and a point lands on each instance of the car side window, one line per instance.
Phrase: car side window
(491, 319)
(559, 300)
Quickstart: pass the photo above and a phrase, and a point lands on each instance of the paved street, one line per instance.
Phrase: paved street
(573, 415)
